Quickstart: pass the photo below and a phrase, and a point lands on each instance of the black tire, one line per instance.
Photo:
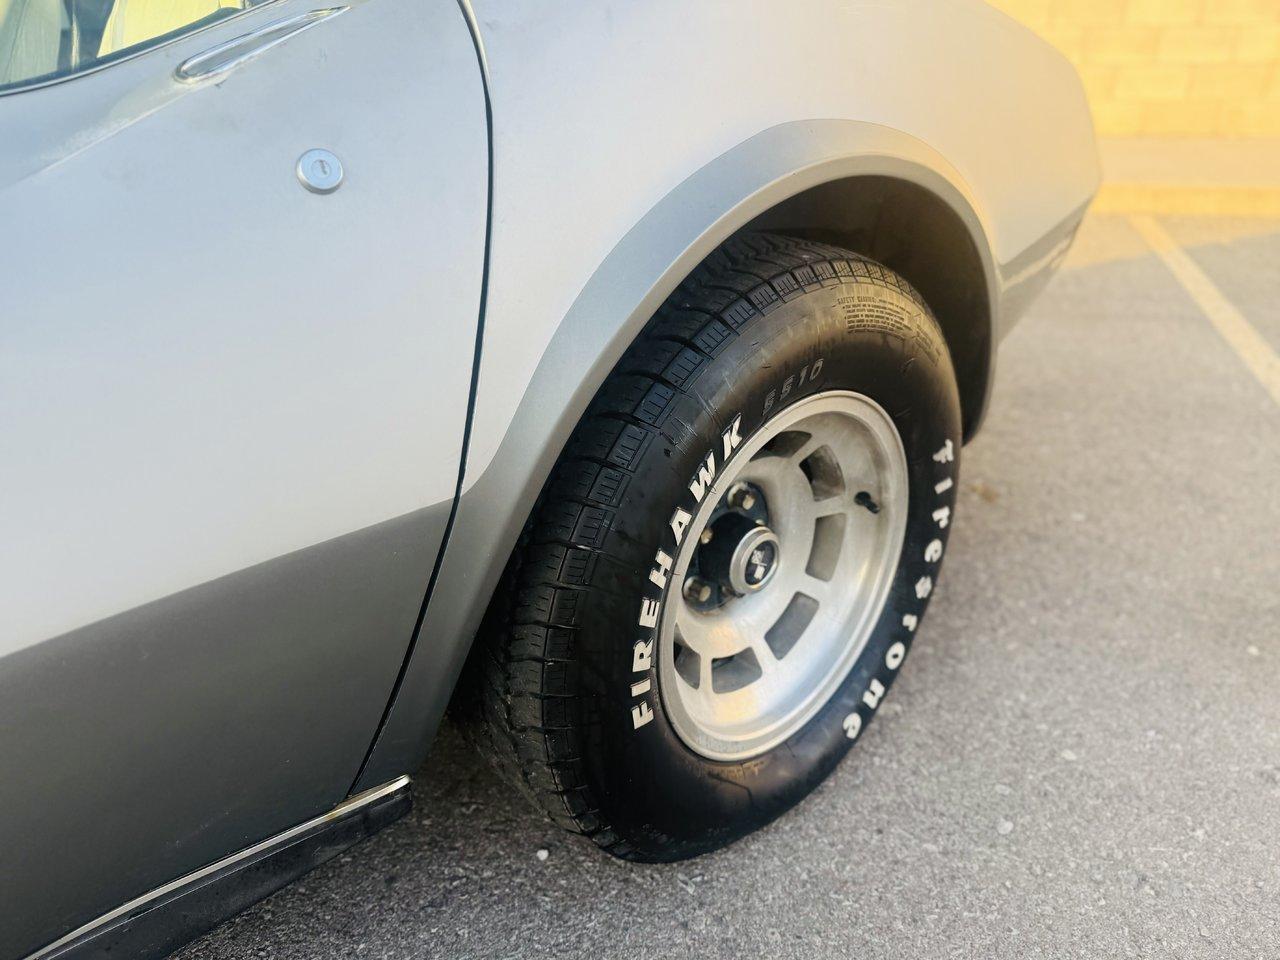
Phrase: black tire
(559, 650)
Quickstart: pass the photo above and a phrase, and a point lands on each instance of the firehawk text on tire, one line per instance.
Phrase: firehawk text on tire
(728, 565)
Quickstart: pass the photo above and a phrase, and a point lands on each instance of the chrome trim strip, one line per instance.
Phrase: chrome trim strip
(225, 57)
(344, 809)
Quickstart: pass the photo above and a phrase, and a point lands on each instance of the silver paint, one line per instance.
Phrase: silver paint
(588, 135)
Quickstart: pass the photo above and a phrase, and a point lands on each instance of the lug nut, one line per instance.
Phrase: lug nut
(697, 591)
(741, 497)
(706, 536)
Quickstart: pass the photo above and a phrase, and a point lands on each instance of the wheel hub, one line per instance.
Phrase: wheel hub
(755, 561)
(737, 554)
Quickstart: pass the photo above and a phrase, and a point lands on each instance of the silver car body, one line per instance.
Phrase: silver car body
(266, 451)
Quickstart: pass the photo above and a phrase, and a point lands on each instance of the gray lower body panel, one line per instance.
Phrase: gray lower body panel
(152, 743)
(154, 925)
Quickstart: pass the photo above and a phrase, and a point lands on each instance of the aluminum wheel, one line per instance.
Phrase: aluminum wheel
(782, 575)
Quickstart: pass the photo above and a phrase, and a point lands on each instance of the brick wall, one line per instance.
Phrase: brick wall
(1185, 68)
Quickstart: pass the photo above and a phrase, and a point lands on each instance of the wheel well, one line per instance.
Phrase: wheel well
(915, 233)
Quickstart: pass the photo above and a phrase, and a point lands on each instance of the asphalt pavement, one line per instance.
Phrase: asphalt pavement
(1081, 757)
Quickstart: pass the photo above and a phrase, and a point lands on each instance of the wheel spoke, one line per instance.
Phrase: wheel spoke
(858, 465)
(764, 654)
(819, 590)
(797, 542)
(691, 627)
(807, 449)
(704, 680)
(815, 510)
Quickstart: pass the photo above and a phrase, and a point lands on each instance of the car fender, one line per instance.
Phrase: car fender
(617, 300)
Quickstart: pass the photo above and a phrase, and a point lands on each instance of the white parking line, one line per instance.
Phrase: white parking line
(1221, 312)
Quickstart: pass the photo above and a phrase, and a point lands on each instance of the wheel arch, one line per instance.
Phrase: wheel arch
(865, 186)
(920, 236)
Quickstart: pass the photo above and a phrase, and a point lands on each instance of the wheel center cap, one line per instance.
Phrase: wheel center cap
(754, 560)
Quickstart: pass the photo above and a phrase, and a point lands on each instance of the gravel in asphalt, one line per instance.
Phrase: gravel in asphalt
(1082, 755)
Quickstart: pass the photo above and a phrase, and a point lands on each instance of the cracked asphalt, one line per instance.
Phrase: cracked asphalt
(1081, 757)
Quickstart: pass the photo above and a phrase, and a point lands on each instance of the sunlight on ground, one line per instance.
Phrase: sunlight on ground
(1106, 238)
